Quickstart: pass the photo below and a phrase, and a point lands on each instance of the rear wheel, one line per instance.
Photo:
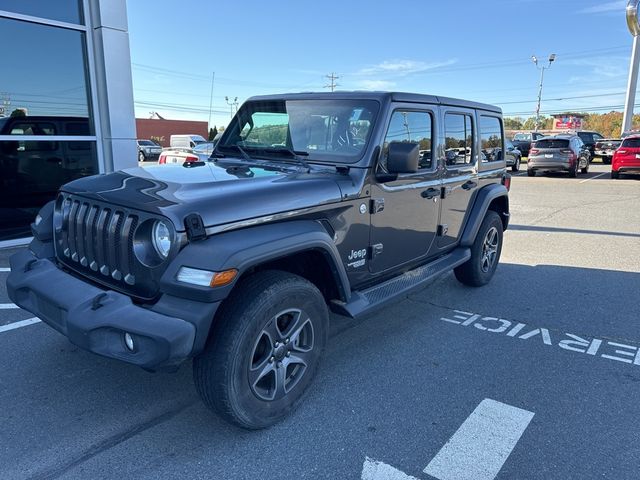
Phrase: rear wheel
(516, 166)
(531, 172)
(573, 171)
(615, 174)
(264, 351)
(485, 253)
(606, 160)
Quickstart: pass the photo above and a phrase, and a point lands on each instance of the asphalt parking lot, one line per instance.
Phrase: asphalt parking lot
(535, 376)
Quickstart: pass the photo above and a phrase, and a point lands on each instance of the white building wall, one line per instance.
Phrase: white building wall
(113, 89)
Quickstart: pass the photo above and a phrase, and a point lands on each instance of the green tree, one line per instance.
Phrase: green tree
(513, 123)
(212, 133)
(18, 112)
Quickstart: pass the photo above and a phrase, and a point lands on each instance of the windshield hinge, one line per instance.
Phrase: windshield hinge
(195, 227)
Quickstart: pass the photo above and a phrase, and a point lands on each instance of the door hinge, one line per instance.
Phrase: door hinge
(376, 250)
(377, 205)
(442, 230)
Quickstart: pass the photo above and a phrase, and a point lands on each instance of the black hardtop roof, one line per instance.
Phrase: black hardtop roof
(381, 97)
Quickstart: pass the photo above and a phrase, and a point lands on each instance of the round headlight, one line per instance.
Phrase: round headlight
(161, 238)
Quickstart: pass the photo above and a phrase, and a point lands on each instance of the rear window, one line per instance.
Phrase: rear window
(552, 143)
(525, 137)
(631, 142)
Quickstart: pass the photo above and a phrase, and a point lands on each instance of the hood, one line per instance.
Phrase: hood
(219, 194)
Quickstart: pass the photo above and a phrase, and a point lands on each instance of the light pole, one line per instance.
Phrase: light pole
(542, 68)
(634, 27)
(232, 104)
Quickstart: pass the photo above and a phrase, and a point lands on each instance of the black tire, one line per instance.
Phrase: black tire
(606, 160)
(573, 172)
(615, 175)
(479, 269)
(141, 156)
(516, 166)
(531, 172)
(239, 370)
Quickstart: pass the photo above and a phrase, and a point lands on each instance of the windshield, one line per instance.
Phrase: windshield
(146, 142)
(522, 136)
(327, 130)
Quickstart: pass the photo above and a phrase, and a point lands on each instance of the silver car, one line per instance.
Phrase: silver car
(561, 153)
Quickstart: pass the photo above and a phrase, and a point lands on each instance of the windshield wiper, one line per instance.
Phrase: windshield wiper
(295, 154)
(244, 154)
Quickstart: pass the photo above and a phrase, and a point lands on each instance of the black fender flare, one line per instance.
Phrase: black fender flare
(480, 206)
(247, 248)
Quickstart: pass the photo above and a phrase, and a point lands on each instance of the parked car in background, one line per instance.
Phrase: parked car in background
(626, 158)
(590, 139)
(522, 141)
(185, 141)
(513, 156)
(204, 149)
(606, 147)
(178, 156)
(561, 153)
(148, 150)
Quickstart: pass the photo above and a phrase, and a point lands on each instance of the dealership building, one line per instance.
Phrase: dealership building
(66, 101)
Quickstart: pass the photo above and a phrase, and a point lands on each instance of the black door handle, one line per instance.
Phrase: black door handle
(430, 193)
(469, 185)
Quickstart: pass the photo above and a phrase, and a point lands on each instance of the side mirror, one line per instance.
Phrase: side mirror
(403, 157)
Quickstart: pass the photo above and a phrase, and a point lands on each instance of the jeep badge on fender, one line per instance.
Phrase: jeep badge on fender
(236, 262)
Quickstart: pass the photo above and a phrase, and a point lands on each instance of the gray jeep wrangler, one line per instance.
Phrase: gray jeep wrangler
(309, 203)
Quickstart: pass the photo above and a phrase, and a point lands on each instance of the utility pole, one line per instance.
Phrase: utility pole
(634, 27)
(332, 78)
(232, 103)
(542, 68)
(213, 77)
(6, 104)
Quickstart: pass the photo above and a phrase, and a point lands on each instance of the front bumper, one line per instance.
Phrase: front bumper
(95, 319)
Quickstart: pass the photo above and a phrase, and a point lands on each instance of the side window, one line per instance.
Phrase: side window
(491, 139)
(458, 139)
(410, 127)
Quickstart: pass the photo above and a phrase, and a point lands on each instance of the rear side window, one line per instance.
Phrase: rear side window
(458, 132)
(411, 127)
(586, 137)
(491, 139)
(631, 143)
(552, 143)
(525, 137)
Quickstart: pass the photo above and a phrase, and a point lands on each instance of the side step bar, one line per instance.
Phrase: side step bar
(367, 301)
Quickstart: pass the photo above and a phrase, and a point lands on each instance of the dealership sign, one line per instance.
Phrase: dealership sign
(567, 122)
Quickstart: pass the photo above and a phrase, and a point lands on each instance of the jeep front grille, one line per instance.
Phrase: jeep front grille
(99, 238)
(96, 240)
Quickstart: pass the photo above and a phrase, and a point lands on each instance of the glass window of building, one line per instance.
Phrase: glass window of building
(44, 105)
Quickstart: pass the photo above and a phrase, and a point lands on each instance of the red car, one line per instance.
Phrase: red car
(626, 158)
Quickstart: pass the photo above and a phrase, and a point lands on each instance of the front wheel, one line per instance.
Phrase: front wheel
(264, 350)
(141, 157)
(516, 166)
(485, 253)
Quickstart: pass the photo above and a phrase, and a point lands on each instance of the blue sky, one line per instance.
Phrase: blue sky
(477, 50)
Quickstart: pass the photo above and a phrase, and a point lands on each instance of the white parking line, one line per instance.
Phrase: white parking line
(482, 444)
(5, 269)
(20, 324)
(8, 306)
(373, 470)
(597, 176)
